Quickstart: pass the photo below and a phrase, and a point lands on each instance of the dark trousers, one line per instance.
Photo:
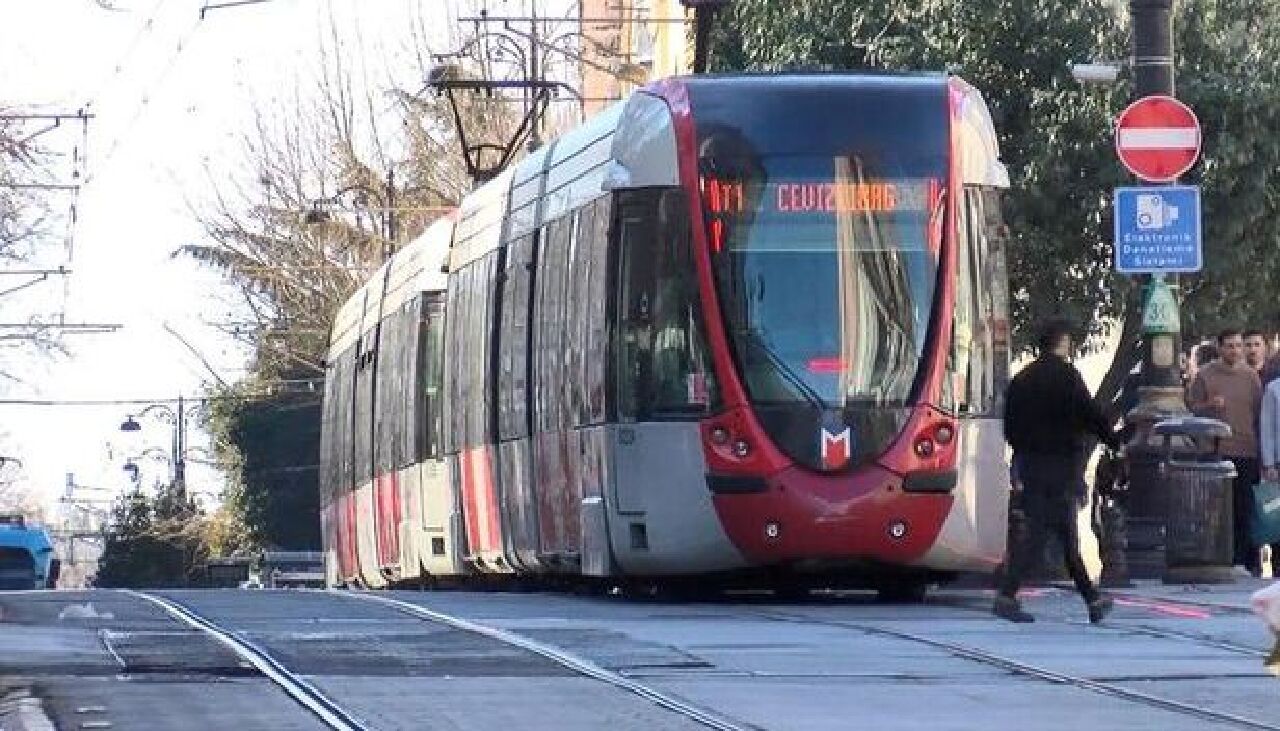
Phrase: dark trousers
(1053, 489)
(1247, 475)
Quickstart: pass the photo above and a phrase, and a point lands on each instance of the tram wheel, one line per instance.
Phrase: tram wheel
(902, 591)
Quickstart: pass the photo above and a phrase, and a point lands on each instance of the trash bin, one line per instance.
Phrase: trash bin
(1197, 501)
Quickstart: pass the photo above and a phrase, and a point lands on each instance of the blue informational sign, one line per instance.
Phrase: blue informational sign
(1158, 229)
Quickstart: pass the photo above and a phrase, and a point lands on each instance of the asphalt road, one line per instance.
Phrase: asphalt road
(1167, 659)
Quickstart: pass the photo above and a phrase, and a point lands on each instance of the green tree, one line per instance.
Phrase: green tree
(294, 265)
(154, 542)
(275, 497)
(1056, 135)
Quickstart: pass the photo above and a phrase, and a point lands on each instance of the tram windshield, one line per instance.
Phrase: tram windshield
(825, 240)
(823, 208)
(827, 286)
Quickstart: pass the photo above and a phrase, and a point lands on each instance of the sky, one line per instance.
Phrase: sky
(170, 93)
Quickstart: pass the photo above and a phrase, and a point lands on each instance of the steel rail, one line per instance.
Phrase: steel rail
(1204, 603)
(1185, 601)
(565, 659)
(297, 688)
(1018, 667)
(1146, 630)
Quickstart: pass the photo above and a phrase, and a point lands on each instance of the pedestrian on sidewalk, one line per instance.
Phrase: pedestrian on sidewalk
(1255, 350)
(1049, 417)
(1229, 390)
(1269, 441)
(1271, 368)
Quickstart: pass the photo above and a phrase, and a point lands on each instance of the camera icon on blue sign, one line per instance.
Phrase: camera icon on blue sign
(1153, 214)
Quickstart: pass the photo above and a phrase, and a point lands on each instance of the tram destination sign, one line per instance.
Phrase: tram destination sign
(1157, 230)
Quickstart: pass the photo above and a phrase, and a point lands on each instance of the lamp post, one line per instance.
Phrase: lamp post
(178, 421)
(1134, 535)
(1161, 391)
(1160, 394)
(389, 198)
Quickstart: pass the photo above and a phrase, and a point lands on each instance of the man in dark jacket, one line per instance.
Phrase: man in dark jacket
(1047, 417)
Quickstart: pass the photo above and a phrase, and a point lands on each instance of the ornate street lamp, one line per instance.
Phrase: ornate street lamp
(176, 419)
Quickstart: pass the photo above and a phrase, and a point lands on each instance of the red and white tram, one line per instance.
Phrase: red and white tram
(732, 324)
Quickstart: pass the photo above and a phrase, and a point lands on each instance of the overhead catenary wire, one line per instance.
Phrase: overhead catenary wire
(118, 69)
(81, 403)
(144, 100)
(199, 356)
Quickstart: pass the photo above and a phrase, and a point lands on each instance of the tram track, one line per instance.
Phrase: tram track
(974, 654)
(1029, 670)
(295, 686)
(1198, 603)
(573, 662)
(335, 717)
(1140, 602)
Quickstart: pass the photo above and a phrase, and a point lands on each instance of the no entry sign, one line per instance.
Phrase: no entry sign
(1158, 138)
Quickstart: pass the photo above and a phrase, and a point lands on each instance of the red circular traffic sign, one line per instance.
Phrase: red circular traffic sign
(1158, 138)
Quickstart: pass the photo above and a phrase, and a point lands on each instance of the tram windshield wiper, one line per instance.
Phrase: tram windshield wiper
(810, 395)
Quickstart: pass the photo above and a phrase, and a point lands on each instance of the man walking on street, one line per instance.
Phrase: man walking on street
(1229, 390)
(1048, 415)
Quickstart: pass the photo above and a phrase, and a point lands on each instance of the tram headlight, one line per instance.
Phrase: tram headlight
(741, 448)
(720, 436)
(772, 530)
(944, 435)
(924, 447)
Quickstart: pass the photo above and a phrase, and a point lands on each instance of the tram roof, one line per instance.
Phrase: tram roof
(416, 268)
(820, 79)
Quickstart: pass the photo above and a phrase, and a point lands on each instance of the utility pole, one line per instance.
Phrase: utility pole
(179, 448)
(535, 132)
(389, 246)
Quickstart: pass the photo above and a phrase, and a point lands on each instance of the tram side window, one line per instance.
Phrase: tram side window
(329, 436)
(514, 342)
(454, 363)
(364, 406)
(996, 275)
(473, 374)
(388, 403)
(597, 336)
(575, 318)
(343, 416)
(549, 319)
(472, 403)
(664, 368)
(430, 366)
(482, 333)
(506, 287)
(970, 386)
(981, 394)
(407, 401)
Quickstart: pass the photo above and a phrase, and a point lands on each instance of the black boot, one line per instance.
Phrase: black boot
(1007, 608)
(1100, 608)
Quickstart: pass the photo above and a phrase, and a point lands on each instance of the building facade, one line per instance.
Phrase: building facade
(627, 43)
